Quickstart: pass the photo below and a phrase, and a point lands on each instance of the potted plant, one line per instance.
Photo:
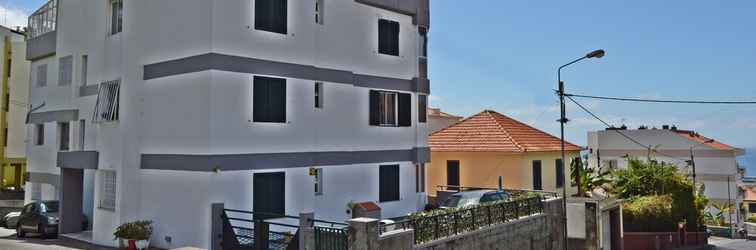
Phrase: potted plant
(134, 235)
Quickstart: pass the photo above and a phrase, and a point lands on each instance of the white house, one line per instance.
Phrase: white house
(157, 109)
(715, 162)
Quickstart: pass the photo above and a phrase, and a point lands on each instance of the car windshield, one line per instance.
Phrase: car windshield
(49, 207)
(459, 201)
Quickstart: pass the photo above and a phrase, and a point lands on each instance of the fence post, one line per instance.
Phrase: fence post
(364, 234)
(216, 228)
(262, 235)
(306, 233)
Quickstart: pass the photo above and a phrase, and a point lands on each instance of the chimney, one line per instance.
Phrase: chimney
(665, 127)
(674, 128)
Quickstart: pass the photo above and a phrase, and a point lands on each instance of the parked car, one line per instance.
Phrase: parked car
(10, 220)
(39, 217)
(472, 198)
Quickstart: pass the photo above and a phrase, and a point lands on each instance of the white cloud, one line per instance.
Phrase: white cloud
(12, 17)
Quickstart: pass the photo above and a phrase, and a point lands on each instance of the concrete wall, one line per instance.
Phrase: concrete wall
(19, 98)
(482, 169)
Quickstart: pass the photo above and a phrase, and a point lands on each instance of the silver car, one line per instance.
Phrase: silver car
(472, 198)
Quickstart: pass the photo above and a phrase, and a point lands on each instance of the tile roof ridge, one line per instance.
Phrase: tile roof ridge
(491, 114)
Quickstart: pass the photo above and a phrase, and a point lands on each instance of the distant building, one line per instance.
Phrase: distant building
(479, 149)
(438, 120)
(15, 98)
(715, 163)
(748, 186)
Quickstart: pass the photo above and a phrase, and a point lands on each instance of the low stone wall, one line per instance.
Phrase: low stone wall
(526, 233)
(663, 240)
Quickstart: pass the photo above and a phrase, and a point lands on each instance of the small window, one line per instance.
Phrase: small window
(319, 95)
(420, 178)
(82, 133)
(65, 71)
(107, 105)
(107, 190)
(389, 183)
(319, 10)
(537, 184)
(64, 136)
(318, 181)
(39, 134)
(423, 42)
(269, 99)
(270, 15)
(9, 67)
(559, 173)
(42, 75)
(752, 207)
(388, 37)
(390, 109)
(84, 69)
(116, 16)
(422, 108)
(5, 137)
(6, 102)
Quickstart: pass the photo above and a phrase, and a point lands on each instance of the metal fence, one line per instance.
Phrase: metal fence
(442, 223)
(329, 238)
(247, 230)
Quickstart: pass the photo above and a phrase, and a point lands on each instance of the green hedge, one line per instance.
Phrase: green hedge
(649, 214)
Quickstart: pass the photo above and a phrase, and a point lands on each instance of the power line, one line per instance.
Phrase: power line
(661, 101)
(620, 132)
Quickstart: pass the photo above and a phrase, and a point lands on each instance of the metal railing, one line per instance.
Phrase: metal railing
(329, 238)
(244, 233)
(44, 20)
(441, 223)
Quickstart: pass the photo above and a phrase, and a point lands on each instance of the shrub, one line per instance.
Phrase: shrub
(649, 214)
(137, 230)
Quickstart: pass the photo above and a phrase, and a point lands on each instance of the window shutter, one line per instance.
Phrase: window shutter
(422, 108)
(405, 110)
(269, 99)
(394, 38)
(271, 15)
(389, 183)
(375, 98)
(388, 37)
(279, 19)
(277, 100)
(260, 102)
(262, 14)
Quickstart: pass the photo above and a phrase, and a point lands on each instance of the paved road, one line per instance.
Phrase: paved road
(8, 241)
(729, 244)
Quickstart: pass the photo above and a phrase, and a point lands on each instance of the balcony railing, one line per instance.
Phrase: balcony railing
(44, 20)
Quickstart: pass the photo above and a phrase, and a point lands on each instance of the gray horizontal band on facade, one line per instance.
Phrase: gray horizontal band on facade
(239, 162)
(46, 178)
(682, 153)
(89, 90)
(215, 61)
(78, 159)
(54, 116)
(41, 46)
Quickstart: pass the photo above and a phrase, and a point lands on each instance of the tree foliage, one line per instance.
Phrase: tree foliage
(590, 177)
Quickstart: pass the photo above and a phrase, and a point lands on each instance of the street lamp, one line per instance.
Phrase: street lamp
(562, 120)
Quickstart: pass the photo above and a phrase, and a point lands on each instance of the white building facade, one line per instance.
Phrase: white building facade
(157, 109)
(715, 163)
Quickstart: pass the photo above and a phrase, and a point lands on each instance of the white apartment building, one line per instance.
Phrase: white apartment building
(157, 109)
(715, 162)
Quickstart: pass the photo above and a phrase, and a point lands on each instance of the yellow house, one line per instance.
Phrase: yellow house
(14, 105)
(479, 149)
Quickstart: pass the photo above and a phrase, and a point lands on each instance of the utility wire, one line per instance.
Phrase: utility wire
(651, 149)
(660, 101)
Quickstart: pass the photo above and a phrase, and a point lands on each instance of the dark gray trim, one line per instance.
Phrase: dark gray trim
(78, 159)
(215, 61)
(54, 116)
(47, 178)
(89, 90)
(260, 161)
(418, 9)
(41, 46)
(421, 85)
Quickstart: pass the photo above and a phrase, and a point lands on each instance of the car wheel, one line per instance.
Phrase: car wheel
(19, 232)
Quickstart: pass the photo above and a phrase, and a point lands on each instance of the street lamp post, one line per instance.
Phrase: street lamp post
(562, 120)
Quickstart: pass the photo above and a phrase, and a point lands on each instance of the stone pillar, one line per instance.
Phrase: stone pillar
(554, 211)
(306, 231)
(364, 234)
(216, 226)
(591, 226)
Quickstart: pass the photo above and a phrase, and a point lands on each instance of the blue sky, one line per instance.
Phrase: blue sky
(502, 55)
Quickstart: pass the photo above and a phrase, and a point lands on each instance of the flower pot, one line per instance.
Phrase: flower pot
(135, 244)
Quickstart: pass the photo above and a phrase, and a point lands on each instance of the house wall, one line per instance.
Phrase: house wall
(482, 169)
(19, 94)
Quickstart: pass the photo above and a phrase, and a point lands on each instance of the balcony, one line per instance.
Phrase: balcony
(42, 31)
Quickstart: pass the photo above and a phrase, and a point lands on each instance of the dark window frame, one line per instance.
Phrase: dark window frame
(422, 108)
(116, 17)
(388, 37)
(319, 95)
(39, 134)
(401, 109)
(271, 16)
(269, 100)
(389, 186)
(537, 167)
(559, 175)
(64, 136)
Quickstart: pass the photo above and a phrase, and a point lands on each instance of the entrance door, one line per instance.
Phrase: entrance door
(452, 174)
(614, 222)
(269, 191)
(72, 188)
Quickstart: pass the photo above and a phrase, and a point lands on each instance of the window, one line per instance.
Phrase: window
(318, 181)
(64, 136)
(42, 75)
(106, 108)
(269, 99)
(422, 108)
(65, 71)
(8, 67)
(107, 190)
(389, 183)
(752, 207)
(537, 175)
(559, 173)
(388, 37)
(6, 102)
(390, 109)
(319, 10)
(423, 42)
(270, 15)
(420, 178)
(318, 95)
(82, 132)
(116, 16)
(5, 137)
(84, 69)
(39, 134)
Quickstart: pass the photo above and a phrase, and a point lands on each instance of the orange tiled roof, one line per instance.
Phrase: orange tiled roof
(693, 136)
(489, 131)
